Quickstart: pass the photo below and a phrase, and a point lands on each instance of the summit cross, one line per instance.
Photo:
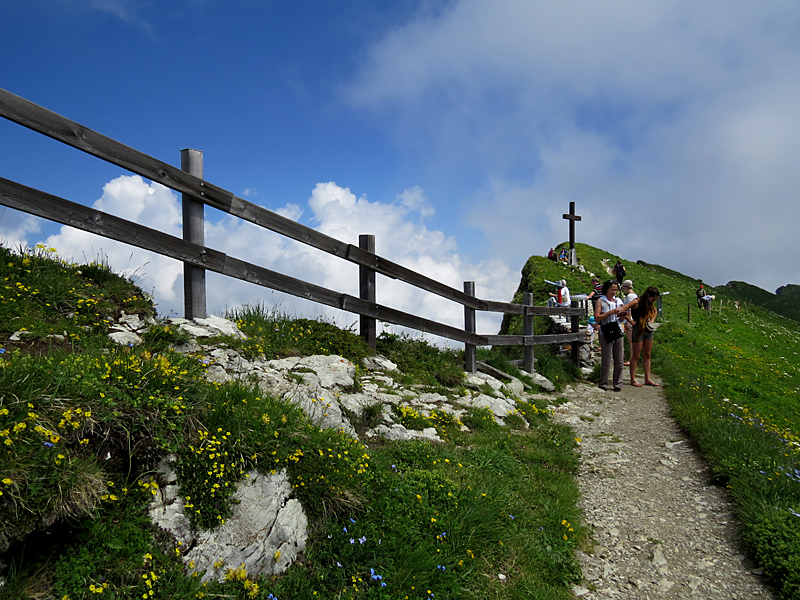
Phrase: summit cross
(572, 217)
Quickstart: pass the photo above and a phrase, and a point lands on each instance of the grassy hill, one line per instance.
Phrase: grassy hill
(787, 303)
(69, 399)
(733, 382)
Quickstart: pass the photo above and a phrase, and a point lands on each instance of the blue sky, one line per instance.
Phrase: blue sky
(456, 131)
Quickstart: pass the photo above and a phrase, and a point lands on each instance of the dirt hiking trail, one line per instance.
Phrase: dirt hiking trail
(662, 529)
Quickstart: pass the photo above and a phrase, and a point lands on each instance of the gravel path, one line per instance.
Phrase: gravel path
(662, 530)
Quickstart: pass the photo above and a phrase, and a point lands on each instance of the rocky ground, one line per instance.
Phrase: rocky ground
(662, 530)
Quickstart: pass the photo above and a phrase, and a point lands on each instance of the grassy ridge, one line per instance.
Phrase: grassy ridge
(733, 382)
(83, 423)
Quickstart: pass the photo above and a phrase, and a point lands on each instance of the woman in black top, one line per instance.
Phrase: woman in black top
(643, 311)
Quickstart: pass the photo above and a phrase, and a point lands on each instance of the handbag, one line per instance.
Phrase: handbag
(611, 331)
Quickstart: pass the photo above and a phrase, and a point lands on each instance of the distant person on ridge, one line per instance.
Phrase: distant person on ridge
(643, 310)
(552, 254)
(619, 272)
(606, 311)
(700, 293)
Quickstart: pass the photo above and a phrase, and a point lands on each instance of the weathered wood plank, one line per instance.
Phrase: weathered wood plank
(533, 340)
(519, 309)
(63, 211)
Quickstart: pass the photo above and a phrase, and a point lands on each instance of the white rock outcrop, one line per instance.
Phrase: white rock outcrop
(268, 528)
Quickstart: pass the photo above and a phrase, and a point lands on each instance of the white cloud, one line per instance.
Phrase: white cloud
(673, 125)
(337, 212)
(150, 204)
(16, 227)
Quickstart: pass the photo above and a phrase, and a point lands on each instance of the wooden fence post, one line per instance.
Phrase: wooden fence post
(194, 278)
(470, 350)
(575, 328)
(527, 329)
(366, 290)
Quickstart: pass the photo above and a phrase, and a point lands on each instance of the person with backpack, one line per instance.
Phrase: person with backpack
(619, 272)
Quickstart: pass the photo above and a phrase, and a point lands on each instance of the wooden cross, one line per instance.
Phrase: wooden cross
(572, 217)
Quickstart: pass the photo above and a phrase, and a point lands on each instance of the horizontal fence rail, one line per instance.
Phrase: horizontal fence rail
(81, 217)
(197, 255)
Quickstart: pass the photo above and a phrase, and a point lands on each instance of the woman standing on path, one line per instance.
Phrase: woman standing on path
(606, 310)
(643, 311)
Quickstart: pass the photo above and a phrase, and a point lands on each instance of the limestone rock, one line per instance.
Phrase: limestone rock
(332, 371)
(321, 407)
(398, 432)
(265, 533)
(125, 338)
(379, 363)
(500, 407)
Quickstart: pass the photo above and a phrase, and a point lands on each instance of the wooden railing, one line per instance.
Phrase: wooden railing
(201, 258)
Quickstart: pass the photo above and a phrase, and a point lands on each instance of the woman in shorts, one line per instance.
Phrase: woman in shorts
(643, 312)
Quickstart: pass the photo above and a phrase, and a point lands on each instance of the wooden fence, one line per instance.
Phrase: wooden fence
(198, 258)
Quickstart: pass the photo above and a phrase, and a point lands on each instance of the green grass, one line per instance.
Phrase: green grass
(84, 423)
(732, 381)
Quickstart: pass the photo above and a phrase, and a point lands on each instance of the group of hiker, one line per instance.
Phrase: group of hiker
(704, 299)
(562, 256)
(619, 314)
(632, 317)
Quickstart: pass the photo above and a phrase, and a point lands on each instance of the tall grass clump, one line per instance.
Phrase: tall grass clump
(274, 334)
(421, 361)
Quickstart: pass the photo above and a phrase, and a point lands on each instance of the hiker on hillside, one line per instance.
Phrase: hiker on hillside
(707, 301)
(552, 254)
(700, 293)
(606, 311)
(643, 311)
(619, 272)
(629, 296)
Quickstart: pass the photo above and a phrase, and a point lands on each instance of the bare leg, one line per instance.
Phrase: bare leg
(647, 349)
(636, 348)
